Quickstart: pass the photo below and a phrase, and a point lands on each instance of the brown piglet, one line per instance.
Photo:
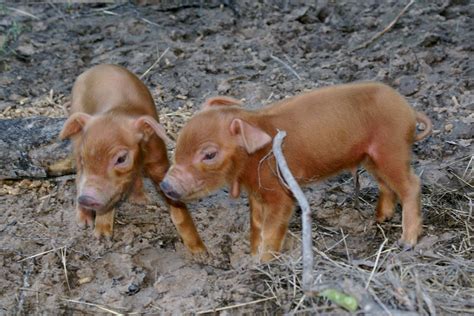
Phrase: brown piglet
(328, 130)
(117, 140)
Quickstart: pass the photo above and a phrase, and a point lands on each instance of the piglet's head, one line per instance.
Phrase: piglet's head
(108, 155)
(212, 149)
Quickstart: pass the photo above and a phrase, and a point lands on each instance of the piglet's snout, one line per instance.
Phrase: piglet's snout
(169, 190)
(89, 202)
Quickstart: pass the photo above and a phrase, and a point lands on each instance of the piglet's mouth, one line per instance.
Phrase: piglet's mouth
(92, 204)
(177, 195)
(170, 191)
(89, 203)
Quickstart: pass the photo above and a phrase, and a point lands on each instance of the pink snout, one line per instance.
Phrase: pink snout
(89, 202)
(169, 190)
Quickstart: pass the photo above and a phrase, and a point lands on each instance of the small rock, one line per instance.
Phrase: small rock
(84, 280)
(26, 49)
(408, 85)
(462, 130)
(223, 87)
(133, 289)
(40, 26)
(448, 127)
(429, 40)
(297, 13)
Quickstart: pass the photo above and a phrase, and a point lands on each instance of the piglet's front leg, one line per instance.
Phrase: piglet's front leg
(269, 224)
(84, 217)
(104, 224)
(180, 216)
(138, 195)
(184, 224)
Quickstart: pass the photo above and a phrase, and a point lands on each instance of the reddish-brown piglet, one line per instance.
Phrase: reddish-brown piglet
(328, 130)
(117, 140)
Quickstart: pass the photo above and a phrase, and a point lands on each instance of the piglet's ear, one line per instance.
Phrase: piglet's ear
(148, 126)
(250, 137)
(74, 124)
(219, 101)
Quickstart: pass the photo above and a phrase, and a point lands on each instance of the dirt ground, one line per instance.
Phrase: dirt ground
(260, 52)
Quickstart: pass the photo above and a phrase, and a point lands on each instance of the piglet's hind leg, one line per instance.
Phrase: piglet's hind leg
(393, 168)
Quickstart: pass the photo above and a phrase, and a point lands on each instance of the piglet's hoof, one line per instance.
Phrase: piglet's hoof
(104, 225)
(202, 257)
(85, 218)
(103, 231)
(266, 257)
(192, 254)
(197, 248)
(405, 246)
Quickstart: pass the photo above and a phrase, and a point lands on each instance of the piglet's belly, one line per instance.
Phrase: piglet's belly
(318, 168)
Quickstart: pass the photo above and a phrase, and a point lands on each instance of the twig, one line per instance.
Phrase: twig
(467, 167)
(376, 263)
(286, 66)
(305, 210)
(110, 12)
(235, 306)
(150, 22)
(95, 305)
(23, 13)
(154, 64)
(63, 253)
(73, 301)
(345, 246)
(386, 29)
(40, 254)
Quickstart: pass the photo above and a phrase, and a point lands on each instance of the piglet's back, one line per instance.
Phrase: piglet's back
(354, 109)
(106, 87)
(332, 128)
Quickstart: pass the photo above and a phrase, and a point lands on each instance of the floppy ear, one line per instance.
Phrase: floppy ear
(149, 126)
(74, 124)
(250, 137)
(219, 101)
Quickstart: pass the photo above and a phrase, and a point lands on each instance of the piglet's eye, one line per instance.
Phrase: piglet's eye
(210, 156)
(121, 159)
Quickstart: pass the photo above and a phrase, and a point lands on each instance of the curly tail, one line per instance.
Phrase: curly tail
(423, 119)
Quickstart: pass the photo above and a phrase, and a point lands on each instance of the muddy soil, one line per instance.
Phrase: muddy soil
(259, 52)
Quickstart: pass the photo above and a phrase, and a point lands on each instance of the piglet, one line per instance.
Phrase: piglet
(328, 130)
(117, 140)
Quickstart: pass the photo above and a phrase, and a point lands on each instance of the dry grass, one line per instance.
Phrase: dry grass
(51, 105)
(437, 277)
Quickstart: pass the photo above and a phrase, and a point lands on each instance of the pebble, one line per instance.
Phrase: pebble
(26, 49)
(84, 280)
(429, 40)
(448, 127)
(408, 85)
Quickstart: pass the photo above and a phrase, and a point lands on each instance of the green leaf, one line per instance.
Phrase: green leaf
(346, 301)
